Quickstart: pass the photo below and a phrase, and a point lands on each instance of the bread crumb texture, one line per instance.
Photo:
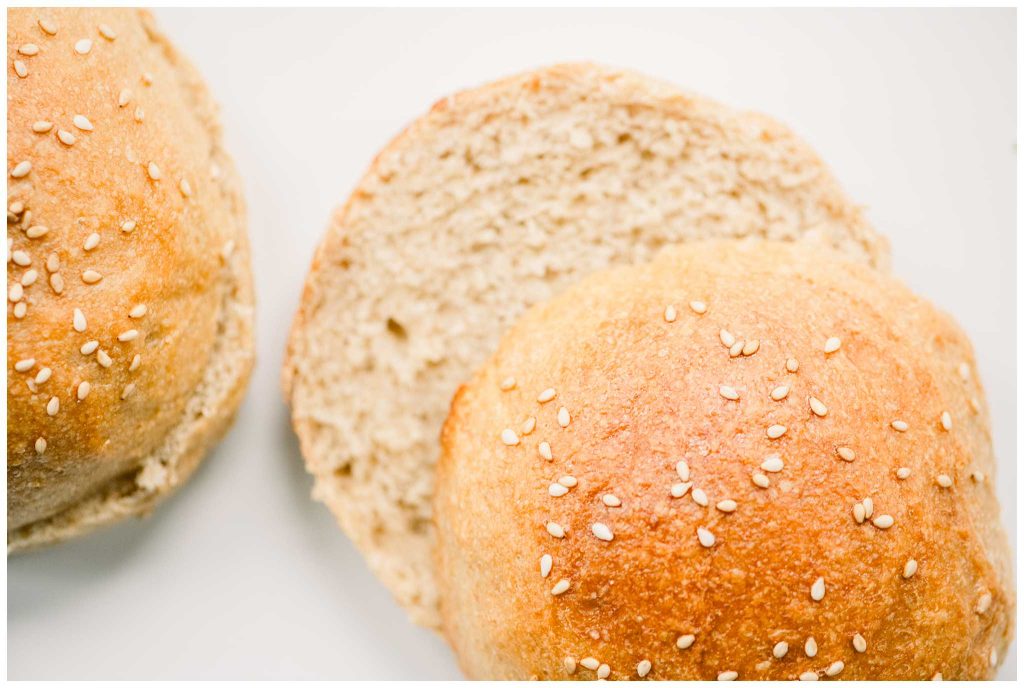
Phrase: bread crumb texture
(129, 309)
(826, 565)
(497, 199)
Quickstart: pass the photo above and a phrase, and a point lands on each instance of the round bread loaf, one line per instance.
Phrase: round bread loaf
(129, 308)
(496, 199)
(748, 460)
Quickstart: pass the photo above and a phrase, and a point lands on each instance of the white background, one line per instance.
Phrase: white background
(241, 575)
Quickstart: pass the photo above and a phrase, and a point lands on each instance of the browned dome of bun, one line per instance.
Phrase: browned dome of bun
(129, 309)
(775, 388)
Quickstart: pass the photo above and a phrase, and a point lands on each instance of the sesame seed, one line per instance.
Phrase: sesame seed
(57, 283)
(557, 490)
(772, 464)
(974, 404)
(127, 225)
(124, 97)
(40, 445)
(984, 602)
(127, 391)
(811, 647)
(21, 259)
(53, 262)
(83, 46)
(16, 292)
(780, 393)
(20, 69)
(858, 512)
(978, 477)
(818, 590)
(993, 657)
(683, 642)
(727, 676)
(774, 432)
(91, 241)
(544, 449)
(563, 417)
(25, 365)
(699, 497)
(43, 375)
(185, 188)
(507, 384)
(726, 505)
(36, 231)
(726, 338)
(817, 408)
(603, 671)
(83, 390)
(52, 406)
(508, 435)
(946, 420)
(153, 171)
(943, 480)
(42, 126)
(937, 676)
(835, 668)
(78, 320)
(546, 396)
(546, 562)
(683, 470)
(832, 345)
(902, 472)
(560, 587)
(136, 362)
(29, 49)
(643, 668)
(680, 489)
(670, 313)
(899, 426)
(761, 480)
(555, 530)
(602, 532)
(140, 114)
(89, 347)
(20, 309)
(751, 347)
(698, 307)
(21, 169)
(611, 500)
(103, 358)
(728, 392)
(780, 649)
(528, 425)
(568, 481)
(736, 349)
(590, 663)
(910, 568)
(706, 537)
(570, 665)
(48, 26)
(138, 311)
(792, 365)
(91, 277)
(129, 335)
(106, 32)
(845, 453)
(66, 137)
(859, 644)
(869, 507)
(82, 122)
(809, 676)
(884, 522)
(965, 371)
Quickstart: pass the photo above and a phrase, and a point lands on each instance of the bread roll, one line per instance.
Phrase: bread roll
(755, 460)
(496, 199)
(129, 308)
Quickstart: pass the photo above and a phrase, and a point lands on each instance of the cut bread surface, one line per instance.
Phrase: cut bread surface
(499, 198)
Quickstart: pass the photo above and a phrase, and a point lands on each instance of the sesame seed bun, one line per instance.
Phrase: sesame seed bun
(714, 527)
(496, 199)
(129, 309)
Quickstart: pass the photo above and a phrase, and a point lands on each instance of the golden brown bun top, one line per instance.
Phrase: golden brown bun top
(113, 211)
(730, 562)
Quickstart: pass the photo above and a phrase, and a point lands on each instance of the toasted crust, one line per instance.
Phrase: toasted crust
(139, 430)
(644, 393)
(454, 202)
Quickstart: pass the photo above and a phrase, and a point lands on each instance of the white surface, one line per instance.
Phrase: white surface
(241, 575)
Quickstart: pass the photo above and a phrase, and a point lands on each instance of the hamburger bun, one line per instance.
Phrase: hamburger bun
(130, 305)
(499, 198)
(749, 460)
